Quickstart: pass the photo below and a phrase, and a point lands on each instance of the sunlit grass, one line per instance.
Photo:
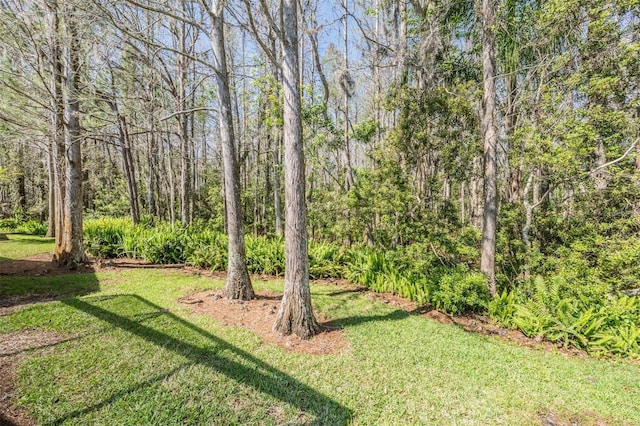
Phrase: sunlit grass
(19, 246)
(141, 358)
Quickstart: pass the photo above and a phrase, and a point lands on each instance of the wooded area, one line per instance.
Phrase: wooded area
(500, 137)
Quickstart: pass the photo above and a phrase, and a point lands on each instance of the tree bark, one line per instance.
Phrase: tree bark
(238, 285)
(514, 190)
(182, 118)
(69, 250)
(128, 165)
(296, 313)
(51, 199)
(277, 203)
(129, 168)
(57, 119)
(489, 137)
(151, 165)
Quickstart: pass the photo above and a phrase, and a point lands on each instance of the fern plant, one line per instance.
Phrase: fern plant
(502, 308)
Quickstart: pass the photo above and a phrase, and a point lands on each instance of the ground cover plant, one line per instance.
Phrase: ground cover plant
(133, 354)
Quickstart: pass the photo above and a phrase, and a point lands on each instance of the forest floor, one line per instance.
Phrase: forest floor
(25, 342)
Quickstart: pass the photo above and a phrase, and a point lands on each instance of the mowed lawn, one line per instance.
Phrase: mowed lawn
(19, 246)
(134, 356)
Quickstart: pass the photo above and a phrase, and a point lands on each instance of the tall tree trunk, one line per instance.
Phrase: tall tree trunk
(171, 182)
(514, 190)
(636, 205)
(277, 203)
(489, 137)
(151, 165)
(21, 179)
(183, 125)
(349, 178)
(128, 166)
(57, 120)
(296, 313)
(51, 199)
(129, 169)
(70, 251)
(238, 285)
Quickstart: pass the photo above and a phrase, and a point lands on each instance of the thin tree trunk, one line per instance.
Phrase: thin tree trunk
(349, 179)
(296, 313)
(183, 126)
(238, 285)
(601, 177)
(171, 182)
(277, 203)
(51, 200)
(489, 137)
(636, 204)
(151, 180)
(21, 178)
(129, 168)
(511, 119)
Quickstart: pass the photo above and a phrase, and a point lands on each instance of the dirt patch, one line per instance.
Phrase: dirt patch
(40, 265)
(43, 265)
(259, 314)
(8, 304)
(550, 418)
(13, 348)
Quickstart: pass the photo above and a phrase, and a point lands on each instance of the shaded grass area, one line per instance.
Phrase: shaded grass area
(56, 285)
(18, 246)
(143, 359)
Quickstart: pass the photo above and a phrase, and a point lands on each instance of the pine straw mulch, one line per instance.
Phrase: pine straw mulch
(259, 314)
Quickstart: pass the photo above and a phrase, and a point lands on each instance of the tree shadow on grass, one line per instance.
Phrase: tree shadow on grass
(18, 290)
(396, 315)
(251, 371)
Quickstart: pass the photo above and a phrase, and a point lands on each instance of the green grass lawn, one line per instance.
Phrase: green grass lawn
(137, 357)
(19, 246)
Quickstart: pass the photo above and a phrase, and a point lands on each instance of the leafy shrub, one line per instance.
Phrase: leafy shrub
(531, 319)
(105, 237)
(386, 272)
(572, 325)
(620, 332)
(502, 308)
(326, 260)
(364, 266)
(8, 225)
(571, 317)
(31, 227)
(207, 249)
(265, 256)
(459, 292)
(165, 246)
